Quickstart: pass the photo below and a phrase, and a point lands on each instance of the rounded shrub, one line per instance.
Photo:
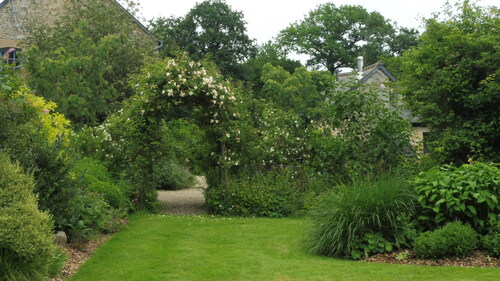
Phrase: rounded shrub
(112, 194)
(94, 175)
(349, 220)
(26, 239)
(171, 176)
(452, 240)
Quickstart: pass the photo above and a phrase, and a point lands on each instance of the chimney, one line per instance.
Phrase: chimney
(360, 68)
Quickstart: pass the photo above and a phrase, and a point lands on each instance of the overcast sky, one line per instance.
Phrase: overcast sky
(266, 18)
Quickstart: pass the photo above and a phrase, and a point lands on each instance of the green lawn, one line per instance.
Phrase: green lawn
(166, 247)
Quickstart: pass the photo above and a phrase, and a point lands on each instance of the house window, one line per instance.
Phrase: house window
(10, 56)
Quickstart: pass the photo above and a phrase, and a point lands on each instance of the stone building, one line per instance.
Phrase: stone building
(378, 75)
(16, 15)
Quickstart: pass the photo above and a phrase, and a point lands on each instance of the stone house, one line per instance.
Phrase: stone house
(378, 75)
(15, 15)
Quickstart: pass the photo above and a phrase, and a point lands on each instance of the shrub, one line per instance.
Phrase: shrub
(491, 242)
(348, 220)
(469, 193)
(272, 194)
(171, 176)
(88, 214)
(452, 240)
(25, 231)
(94, 175)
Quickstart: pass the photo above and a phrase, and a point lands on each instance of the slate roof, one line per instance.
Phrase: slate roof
(369, 72)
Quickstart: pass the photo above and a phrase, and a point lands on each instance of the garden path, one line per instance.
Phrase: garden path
(190, 201)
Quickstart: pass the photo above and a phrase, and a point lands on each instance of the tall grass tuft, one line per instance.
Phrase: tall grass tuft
(343, 216)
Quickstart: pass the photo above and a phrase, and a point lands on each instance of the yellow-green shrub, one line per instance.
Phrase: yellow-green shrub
(25, 231)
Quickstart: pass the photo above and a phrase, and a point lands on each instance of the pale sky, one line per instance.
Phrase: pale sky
(266, 18)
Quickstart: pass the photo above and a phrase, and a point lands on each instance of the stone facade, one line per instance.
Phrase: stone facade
(16, 15)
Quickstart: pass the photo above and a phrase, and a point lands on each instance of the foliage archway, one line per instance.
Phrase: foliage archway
(167, 88)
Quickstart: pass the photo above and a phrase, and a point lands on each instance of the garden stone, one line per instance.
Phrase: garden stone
(60, 238)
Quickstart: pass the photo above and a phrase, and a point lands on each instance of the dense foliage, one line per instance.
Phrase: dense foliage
(491, 241)
(84, 61)
(275, 193)
(469, 193)
(450, 80)
(363, 218)
(452, 240)
(94, 176)
(25, 231)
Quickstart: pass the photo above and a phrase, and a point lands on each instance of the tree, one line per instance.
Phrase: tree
(210, 29)
(302, 92)
(271, 53)
(334, 36)
(83, 62)
(451, 81)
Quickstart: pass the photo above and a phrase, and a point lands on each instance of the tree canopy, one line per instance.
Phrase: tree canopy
(334, 36)
(84, 61)
(451, 81)
(211, 29)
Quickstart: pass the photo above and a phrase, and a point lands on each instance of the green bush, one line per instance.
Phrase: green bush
(25, 232)
(348, 221)
(171, 176)
(94, 176)
(469, 193)
(452, 240)
(491, 242)
(272, 194)
(88, 214)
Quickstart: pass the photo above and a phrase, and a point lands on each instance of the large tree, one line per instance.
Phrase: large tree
(451, 81)
(334, 36)
(210, 29)
(84, 61)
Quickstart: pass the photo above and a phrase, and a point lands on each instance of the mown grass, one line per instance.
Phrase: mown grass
(166, 247)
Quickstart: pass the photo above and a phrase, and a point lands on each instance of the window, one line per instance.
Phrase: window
(10, 56)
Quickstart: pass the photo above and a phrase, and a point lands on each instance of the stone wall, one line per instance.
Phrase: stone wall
(17, 15)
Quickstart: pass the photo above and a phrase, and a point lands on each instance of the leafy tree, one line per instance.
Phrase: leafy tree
(303, 92)
(334, 36)
(83, 62)
(271, 53)
(451, 81)
(210, 29)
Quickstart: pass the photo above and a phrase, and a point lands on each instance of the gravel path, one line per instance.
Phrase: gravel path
(189, 201)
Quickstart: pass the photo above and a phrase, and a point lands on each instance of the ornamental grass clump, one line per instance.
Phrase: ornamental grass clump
(348, 219)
